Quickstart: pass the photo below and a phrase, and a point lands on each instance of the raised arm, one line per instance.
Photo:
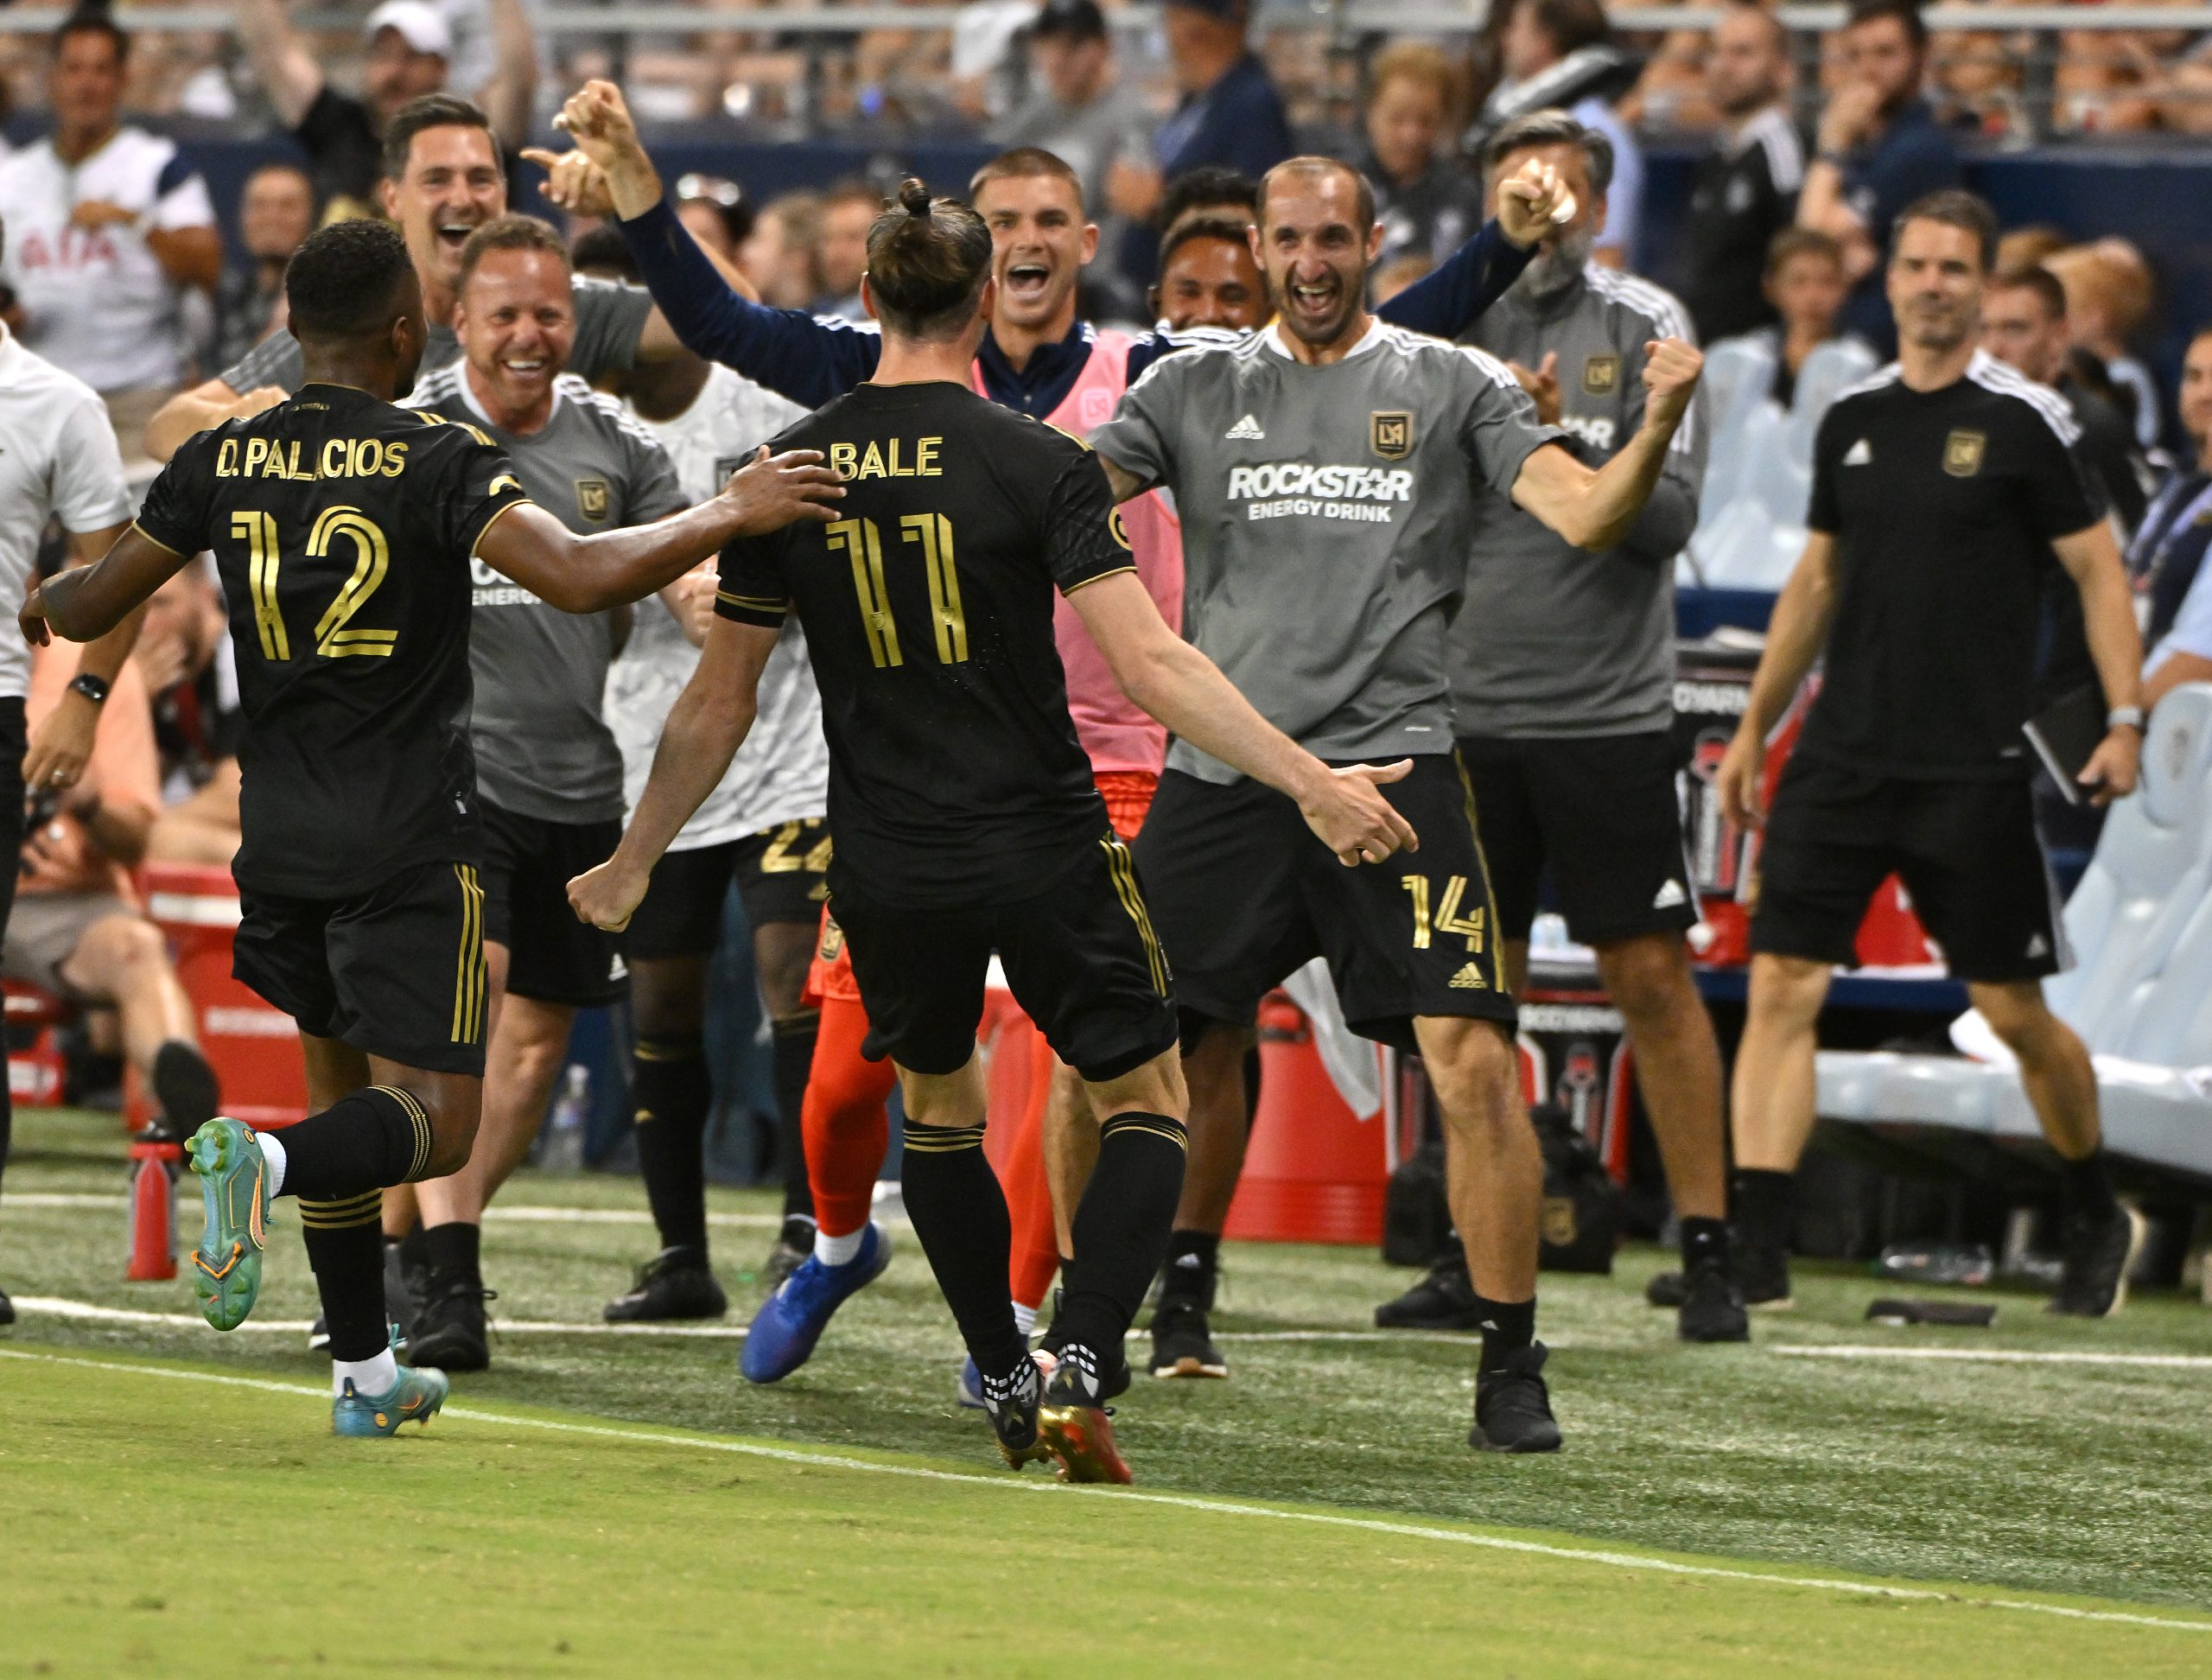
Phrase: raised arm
(787, 350)
(1597, 510)
(1794, 637)
(1183, 689)
(2092, 560)
(705, 728)
(282, 63)
(85, 602)
(611, 568)
(1450, 299)
(507, 98)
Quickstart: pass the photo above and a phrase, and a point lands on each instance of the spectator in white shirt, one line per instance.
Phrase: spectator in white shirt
(107, 227)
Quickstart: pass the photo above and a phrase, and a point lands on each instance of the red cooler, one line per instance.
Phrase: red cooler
(255, 1050)
(1314, 1172)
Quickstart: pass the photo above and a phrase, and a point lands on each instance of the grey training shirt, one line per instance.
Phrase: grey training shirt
(1325, 513)
(1552, 639)
(609, 317)
(541, 748)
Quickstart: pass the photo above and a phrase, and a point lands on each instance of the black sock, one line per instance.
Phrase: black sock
(1507, 1327)
(185, 1087)
(2089, 1186)
(1763, 1209)
(375, 1137)
(794, 1060)
(1193, 1258)
(1122, 1228)
(415, 1254)
(453, 1251)
(345, 1242)
(670, 1091)
(1704, 1239)
(959, 1213)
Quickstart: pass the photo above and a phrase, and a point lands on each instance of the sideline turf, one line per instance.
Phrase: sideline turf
(186, 1528)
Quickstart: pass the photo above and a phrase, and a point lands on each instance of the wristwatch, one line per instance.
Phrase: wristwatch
(94, 688)
(2127, 716)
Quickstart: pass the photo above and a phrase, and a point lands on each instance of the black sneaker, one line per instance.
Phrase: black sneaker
(794, 1242)
(674, 1284)
(1011, 1402)
(7, 1308)
(451, 1330)
(1762, 1274)
(404, 1286)
(318, 1334)
(2098, 1253)
(185, 1088)
(1712, 1305)
(1182, 1341)
(1513, 1407)
(1445, 1300)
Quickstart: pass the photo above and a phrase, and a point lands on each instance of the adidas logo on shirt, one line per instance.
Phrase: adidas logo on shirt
(2038, 947)
(1247, 429)
(1469, 978)
(1859, 455)
(1670, 895)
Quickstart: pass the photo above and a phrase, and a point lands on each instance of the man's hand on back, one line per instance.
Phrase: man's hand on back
(774, 491)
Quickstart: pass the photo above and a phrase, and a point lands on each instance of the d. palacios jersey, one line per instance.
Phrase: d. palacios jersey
(782, 772)
(1325, 513)
(541, 748)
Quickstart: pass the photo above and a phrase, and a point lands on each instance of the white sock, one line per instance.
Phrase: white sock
(370, 1376)
(272, 1152)
(1024, 1318)
(837, 1251)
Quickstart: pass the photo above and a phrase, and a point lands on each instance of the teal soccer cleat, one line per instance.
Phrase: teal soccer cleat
(415, 1399)
(234, 1193)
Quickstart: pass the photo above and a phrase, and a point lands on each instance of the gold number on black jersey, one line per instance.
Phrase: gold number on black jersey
(863, 542)
(259, 532)
(372, 558)
(1448, 918)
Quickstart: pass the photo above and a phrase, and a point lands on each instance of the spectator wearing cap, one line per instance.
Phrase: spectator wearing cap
(1079, 109)
(409, 53)
(1878, 148)
(1424, 200)
(107, 228)
(1745, 188)
(276, 215)
(1563, 55)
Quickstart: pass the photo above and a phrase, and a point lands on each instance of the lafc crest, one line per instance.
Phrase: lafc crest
(592, 498)
(1962, 453)
(1390, 435)
(1600, 374)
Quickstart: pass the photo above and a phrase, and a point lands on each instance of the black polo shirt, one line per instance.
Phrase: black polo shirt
(1745, 192)
(1943, 505)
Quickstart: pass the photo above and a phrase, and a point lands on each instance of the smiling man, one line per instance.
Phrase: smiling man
(547, 771)
(1209, 278)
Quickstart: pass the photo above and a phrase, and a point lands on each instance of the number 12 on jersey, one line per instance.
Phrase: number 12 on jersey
(372, 558)
(861, 542)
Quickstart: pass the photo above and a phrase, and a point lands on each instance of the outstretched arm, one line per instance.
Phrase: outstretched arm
(506, 98)
(613, 568)
(1597, 510)
(85, 602)
(1483, 269)
(705, 728)
(1178, 685)
(282, 63)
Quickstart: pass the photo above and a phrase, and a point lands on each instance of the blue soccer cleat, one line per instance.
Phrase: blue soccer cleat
(415, 1399)
(969, 1392)
(792, 1319)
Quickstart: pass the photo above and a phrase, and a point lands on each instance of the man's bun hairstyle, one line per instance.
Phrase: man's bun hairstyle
(927, 261)
(345, 280)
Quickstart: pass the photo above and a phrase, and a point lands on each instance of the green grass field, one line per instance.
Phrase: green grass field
(623, 1504)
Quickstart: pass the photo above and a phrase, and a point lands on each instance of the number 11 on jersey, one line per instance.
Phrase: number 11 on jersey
(863, 543)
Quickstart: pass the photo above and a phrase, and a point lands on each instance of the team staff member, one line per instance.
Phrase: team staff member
(763, 826)
(1563, 690)
(548, 775)
(966, 816)
(58, 461)
(1941, 487)
(1340, 460)
(354, 690)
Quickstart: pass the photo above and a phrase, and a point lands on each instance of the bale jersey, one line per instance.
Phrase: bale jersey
(1942, 505)
(956, 777)
(1325, 519)
(781, 773)
(542, 750)
(342, 528)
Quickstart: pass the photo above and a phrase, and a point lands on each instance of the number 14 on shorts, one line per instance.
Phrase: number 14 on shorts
(1446, 917)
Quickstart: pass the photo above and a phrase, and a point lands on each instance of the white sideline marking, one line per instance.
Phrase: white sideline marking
(55, 1307)
(519, 1212)
(1182, 1501)
(2002, 1356)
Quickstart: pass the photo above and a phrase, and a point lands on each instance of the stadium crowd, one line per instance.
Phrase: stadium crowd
(628, 367)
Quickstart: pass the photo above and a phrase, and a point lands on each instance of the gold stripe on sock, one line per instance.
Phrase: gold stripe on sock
(347, 1214)
(943, 1140)
(1115, 1127)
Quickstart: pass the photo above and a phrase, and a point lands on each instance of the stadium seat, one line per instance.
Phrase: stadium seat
(2140, 992)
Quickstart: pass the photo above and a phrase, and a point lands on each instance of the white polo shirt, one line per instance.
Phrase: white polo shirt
(97, 302)
(58, 459)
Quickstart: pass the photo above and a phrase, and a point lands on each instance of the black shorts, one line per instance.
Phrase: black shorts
(1966, 851)
(397, 971)
(1243, 894)
(1602, 814)
(781, 874)
(552, 954)
(1080, 959)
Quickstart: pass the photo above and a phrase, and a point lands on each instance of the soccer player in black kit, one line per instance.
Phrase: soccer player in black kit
(343, 528)
(966, 816)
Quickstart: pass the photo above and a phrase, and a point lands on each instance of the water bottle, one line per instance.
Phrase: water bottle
(564, 1131)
